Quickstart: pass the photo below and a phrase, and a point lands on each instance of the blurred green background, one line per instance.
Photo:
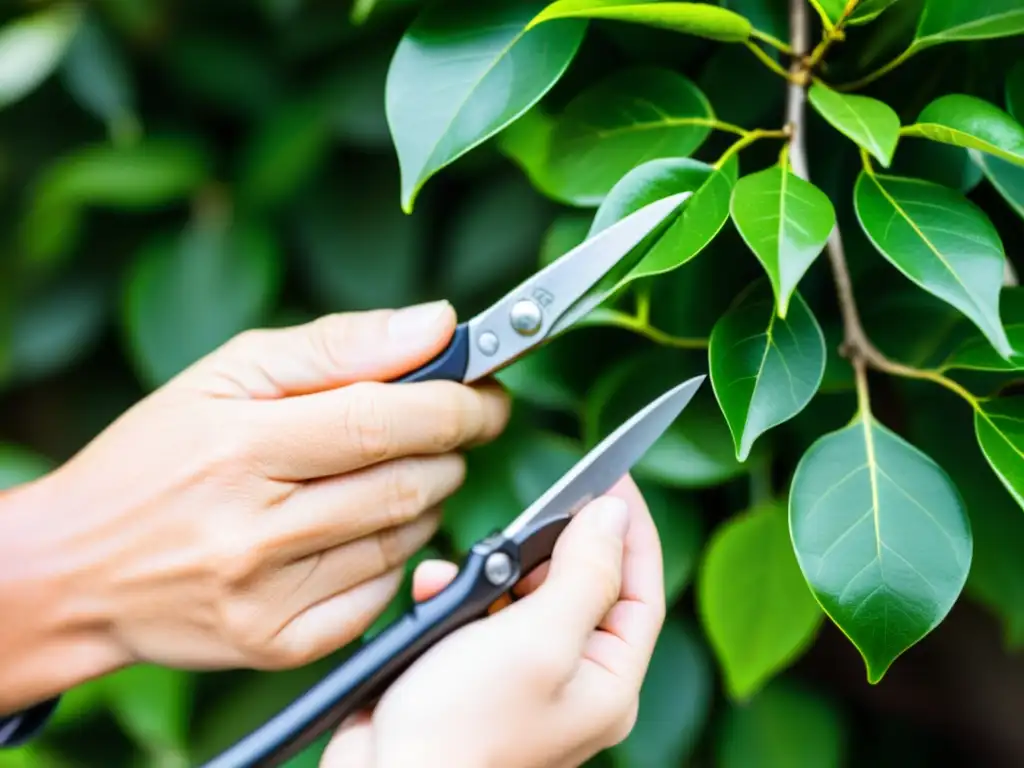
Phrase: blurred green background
(173, 172)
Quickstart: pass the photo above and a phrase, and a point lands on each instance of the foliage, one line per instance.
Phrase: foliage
(175, 172)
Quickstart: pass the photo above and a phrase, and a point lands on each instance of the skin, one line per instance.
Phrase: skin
(256, 511)
(563, 664)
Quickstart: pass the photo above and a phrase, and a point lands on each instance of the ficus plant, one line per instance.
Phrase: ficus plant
(844, 271)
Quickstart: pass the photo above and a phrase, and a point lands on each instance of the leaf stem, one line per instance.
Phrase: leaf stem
(750, 138)
(767, 60)
(883, 70)
(832, 34)
(643, 303)
(617, 319)
(826, 22)
(771, 40)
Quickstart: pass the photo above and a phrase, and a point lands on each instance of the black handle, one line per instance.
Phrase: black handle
(364, 677)
(450, 365)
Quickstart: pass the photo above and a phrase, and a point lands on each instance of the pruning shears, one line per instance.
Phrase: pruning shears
(539, 308)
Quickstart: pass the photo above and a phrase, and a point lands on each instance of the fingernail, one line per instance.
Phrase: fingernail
(417, 323)
(612, 516)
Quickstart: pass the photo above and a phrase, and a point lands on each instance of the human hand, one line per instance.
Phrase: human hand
(257, 511)
(551, 680)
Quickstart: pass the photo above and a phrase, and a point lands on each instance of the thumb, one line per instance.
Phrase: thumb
(351, 746)
(329, 352)
(584, 578)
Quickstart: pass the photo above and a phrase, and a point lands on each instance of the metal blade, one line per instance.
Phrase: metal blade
(607, 463)
(525, 316)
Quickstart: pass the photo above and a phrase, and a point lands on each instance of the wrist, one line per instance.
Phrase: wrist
(52, 638)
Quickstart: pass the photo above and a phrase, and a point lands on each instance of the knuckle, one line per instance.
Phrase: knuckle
(328, 335)
(405, 491)
(238, 561)
(366, 421)
(461, 415)
(623, 722)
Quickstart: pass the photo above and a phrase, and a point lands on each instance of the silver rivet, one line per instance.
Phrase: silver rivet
(488, 343)
(526, 317)
(498, 568)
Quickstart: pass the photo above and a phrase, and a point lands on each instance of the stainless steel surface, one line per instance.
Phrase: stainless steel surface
(557, 287)
(609, 461)
(498, 568)
(526, 317)
(487, 343)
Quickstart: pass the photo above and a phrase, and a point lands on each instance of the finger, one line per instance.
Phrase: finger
(326, 513)
(585, 572)
(313, 579)
(367, 423)
(326, 353)
(430, 577)
(335, 622)
(351, 746)
(532, 581)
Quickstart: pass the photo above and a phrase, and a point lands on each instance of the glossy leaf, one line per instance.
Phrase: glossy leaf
(699, 221)
(32, 47)
(999, 425)
(882, 537)
(152, 704)
(690, 18)
(785, 221)
(462, 72)
(675, 702)
(19, 464)
(976, 353)
(941, 241)
(1006, 177)
(973, 123)
(527, 143)
(944, 21)
(186, 296)
(754, 603)
(870, 123)
(864, 12)
(628, 118)
(764, 369)
(785, 725)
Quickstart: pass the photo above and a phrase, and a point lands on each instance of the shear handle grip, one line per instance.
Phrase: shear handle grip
(450, 365)
(365, 676)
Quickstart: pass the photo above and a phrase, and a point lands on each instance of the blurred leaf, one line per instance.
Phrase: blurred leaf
(681, 531)
(870, 123)
(357, 250)
(785, 221)
(759, 100)
(357, 112)
(20, 465)
(187, 295)
(527, 142)
(566, 232)
(785, 725)
(495, 236)
(1001, 437)
(97, 76)
(1006, 177)
(977, 354)
(630, 117)
(769, 16)
(973, 123)
(288, 146)
(152, 705)
(754, 603)
(438, 112)
(538, 378)
(946, 21)
(31, 49)
(1015, 90)
(764, 370)
(882, 537)
(675, 702)
(698, 19)
(943, 164)
(941, 241)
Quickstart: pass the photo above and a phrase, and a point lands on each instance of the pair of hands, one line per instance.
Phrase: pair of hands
(258, 511)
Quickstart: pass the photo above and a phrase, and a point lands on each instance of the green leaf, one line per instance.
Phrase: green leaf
(675, 702)
(1015, 90)
(527, 143)
(785, 221)
(943, 164)
(438, 112)
(628, 118)
(21, 465)
(185, 296)
(566, 232)
(941, 241)
(690, 18)
(97, 76)
(754, 603)
(538, 378)
(31, 49)
(152, 704)
(882, 537)
(976, 354)
(785, 725)
(944, 21)
(702, 216)
(999, 425)
(973, 123)
(1007, 178)
(870, 123)
(869, 10)
(764, 369)
(681, 531)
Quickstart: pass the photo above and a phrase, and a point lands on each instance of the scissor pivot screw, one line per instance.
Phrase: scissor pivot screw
(488, 343)
(526, 317)
(498, 568)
